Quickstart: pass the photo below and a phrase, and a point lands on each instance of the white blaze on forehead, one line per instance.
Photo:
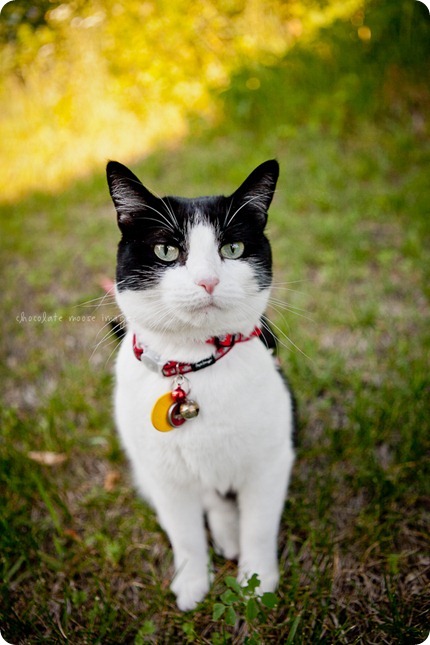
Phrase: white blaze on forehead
(203, 257)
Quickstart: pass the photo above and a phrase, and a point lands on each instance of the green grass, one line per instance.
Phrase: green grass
(83, 559)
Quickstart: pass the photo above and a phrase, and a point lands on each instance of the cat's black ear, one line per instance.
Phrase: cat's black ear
(257, 190)
(129, 195)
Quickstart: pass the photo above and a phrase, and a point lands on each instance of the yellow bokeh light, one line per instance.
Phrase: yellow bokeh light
(253, 83)
(364, 33)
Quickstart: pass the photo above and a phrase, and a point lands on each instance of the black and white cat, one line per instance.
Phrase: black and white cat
(203, 412)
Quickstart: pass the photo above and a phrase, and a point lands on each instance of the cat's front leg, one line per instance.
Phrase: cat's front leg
(261, 503)
(223, 519)
(180, 513)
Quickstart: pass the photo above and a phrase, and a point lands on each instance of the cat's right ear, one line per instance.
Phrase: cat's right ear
(257, 190)
(129, 195)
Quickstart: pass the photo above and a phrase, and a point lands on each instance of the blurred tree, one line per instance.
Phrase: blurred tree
(372, 64)
(80, 78)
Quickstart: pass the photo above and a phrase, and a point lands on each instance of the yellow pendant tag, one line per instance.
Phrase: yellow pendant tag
(160, 413)
(172, 409)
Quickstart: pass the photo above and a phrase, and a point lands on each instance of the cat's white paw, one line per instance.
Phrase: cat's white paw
(268, 581)
(269, 578)
(189, 591)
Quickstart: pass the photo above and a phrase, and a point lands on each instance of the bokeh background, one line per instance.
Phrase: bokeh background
(193, 95)
(88, 80)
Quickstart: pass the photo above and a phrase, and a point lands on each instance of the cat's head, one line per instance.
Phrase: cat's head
(198, 266)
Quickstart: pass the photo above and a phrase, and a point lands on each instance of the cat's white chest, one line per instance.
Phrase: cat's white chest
(244, 414)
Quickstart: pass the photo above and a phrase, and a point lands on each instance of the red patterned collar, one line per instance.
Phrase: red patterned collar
(223, 344)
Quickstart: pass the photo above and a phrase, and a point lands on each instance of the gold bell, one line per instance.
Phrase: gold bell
(189, 409)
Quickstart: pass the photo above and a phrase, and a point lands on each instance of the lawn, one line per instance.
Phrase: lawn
(83, 559)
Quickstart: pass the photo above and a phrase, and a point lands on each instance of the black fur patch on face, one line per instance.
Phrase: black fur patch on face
(146, 220)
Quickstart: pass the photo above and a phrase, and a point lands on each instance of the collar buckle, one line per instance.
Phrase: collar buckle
(146, 356)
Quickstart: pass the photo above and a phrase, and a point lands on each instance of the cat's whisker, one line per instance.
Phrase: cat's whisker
(228, 211)
(174, 224)
(139, 277)
(119, 317)
(96, 306)
(282, 334)
(104, 340)
(165, 202)
(280, 285)
(109, 338)
(112, 333)
(245, 203)
(228, 222)
(107, 299)
(109, 296)
(115, 349)
(154, 219)
(281, 289)
(119, 283)
(282, 304)
(270, 325)
(109, 325)
(110, 356)
(278, 305)
(164, 218)
(87, 303)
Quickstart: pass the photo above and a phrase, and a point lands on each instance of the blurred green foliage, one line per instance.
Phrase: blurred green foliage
(85, 80)
(372, 66)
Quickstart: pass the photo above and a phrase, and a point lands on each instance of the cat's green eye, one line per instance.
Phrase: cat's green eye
(232, 251)
(166, 252)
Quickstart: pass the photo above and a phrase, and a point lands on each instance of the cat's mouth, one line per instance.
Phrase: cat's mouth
(203, 306)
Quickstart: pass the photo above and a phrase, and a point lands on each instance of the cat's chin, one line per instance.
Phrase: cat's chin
(201, 324)
(204, 317)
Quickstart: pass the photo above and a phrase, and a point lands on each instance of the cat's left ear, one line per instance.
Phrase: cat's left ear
(130, 197)
(256, 192)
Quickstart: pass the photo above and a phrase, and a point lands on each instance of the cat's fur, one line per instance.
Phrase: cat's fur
(241, 442)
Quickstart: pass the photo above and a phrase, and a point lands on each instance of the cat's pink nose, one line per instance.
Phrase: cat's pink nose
(208, 284)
